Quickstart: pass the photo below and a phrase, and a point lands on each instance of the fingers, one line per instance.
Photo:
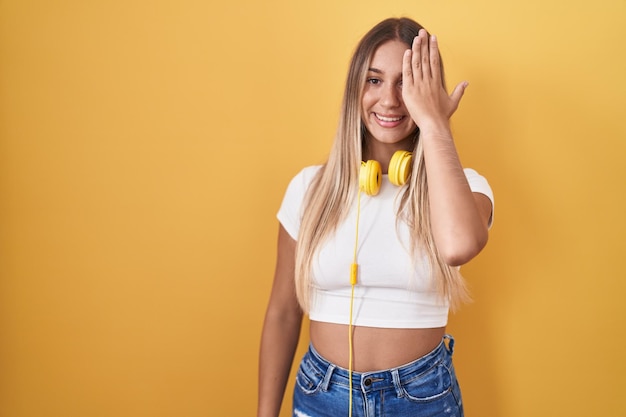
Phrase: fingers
(412, 65)
(415, 53)
(407, 70)
(435, 65)
(422, 78)
(416, 58)
(457, 94)
(424, 54)
(425, 61)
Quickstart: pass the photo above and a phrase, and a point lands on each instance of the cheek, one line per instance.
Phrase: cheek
(368, 100)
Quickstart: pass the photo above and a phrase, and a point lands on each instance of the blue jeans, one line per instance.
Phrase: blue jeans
(423, 388)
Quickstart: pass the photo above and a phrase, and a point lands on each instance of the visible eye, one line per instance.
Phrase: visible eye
(373, 81)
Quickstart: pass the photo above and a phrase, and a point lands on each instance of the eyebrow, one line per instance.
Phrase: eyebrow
(378, 71)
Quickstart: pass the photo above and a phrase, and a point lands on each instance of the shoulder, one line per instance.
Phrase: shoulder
(477, 182)
(303, 179)
(470, 172)
(290, 212)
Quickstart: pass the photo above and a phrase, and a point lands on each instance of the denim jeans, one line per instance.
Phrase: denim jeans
(423, 388)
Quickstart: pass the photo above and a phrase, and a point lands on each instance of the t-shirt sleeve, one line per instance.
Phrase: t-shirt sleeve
(290, 212)
(479, 184)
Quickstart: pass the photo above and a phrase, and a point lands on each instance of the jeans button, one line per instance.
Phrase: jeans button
(367, 382)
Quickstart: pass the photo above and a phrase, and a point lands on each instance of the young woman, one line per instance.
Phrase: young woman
(373, 264)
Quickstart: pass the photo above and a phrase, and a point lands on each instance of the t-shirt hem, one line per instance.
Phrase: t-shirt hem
(386, 324)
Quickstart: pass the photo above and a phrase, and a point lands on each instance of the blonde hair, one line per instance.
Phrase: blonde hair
(332, 191)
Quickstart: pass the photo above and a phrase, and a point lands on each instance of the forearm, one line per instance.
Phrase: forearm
(278, 344)
(458, 225)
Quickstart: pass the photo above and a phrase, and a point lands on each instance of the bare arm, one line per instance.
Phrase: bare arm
(281, 331)
(459, 217)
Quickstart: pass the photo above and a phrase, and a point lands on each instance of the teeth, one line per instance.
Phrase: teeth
(388, 119)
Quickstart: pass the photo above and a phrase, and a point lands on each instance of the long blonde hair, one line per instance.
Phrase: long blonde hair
(333, 189)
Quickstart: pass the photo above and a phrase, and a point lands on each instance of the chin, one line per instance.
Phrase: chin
(391, 139)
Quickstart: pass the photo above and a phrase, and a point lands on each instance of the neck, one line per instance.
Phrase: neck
(382, 152)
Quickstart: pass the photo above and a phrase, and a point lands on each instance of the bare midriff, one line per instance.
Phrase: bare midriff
(374, 348)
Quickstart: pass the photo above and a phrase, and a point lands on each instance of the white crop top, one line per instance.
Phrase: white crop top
(393, 289)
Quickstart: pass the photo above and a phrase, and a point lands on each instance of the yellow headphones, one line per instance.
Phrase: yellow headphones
(370, 175)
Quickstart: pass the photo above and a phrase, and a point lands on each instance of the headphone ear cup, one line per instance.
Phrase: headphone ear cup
(400, 167)
(370, 177)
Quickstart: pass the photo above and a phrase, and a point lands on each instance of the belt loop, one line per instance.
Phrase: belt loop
(450, 343)
(396, 383)
(329, 373)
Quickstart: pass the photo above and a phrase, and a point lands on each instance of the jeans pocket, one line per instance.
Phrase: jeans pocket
(309, 378)
(431, 385)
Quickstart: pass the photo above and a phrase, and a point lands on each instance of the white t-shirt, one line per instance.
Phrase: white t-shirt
(394, 290)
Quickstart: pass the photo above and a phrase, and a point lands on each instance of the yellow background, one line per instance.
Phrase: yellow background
(145, 147)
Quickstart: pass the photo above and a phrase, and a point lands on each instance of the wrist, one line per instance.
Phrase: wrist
(435, 126)
(435, 130)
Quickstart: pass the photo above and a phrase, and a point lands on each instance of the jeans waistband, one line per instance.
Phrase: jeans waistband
(383, 379)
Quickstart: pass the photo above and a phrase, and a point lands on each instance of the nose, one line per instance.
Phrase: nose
(391, 96)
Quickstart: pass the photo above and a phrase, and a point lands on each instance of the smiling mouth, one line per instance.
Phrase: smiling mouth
(387, 118)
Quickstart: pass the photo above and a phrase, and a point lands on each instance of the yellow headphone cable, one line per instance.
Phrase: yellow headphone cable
(370, 179)
(354, 270)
